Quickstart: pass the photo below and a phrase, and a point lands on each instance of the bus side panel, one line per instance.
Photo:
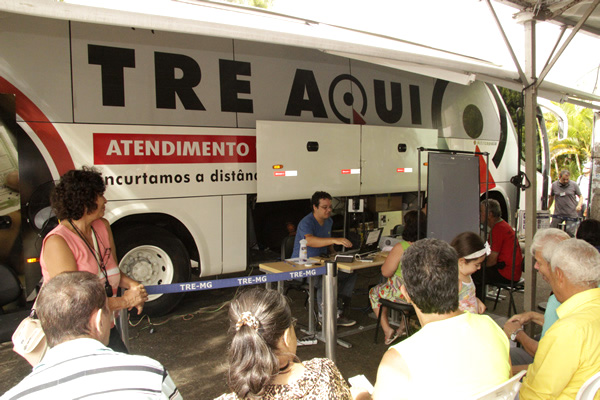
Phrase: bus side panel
(389, 158)
(34, 57)
(292, 83)
(148, 66)
(201, 215)
(393, 97)
(141, 162)
(234, 233)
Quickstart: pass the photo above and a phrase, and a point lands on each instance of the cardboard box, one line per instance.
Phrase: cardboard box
(384, 203)
(388, 220)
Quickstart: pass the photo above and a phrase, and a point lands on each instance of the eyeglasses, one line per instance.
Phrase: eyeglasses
(326, 207)
(294, 321)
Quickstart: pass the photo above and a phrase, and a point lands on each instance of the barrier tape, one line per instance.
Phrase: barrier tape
(571, 219)
(233, 282)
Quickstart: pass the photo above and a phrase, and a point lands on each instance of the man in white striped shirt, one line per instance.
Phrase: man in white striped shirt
(73, 310)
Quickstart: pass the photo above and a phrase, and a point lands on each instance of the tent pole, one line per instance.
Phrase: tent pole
(507, 42)
(530, 92)
(576, 28)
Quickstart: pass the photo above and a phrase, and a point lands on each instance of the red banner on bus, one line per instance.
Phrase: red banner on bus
(128, 148)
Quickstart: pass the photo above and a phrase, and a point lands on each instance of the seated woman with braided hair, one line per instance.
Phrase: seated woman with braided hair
(262, 357)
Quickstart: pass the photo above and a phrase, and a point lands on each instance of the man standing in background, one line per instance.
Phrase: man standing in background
(563, 194)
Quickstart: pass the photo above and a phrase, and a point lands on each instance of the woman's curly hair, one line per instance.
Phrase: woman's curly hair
(76, 193)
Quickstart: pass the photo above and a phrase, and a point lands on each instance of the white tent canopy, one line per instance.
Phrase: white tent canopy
(429, 44)
(229, 21)
(563, 12)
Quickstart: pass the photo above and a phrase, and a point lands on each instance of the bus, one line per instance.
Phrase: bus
(178, 123)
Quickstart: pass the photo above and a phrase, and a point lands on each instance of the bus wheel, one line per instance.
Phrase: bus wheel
(153, 256)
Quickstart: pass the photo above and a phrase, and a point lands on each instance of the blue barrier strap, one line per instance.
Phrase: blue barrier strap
(233, 282)
(571, 219)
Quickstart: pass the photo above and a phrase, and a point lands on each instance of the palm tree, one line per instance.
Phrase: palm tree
(573, 151)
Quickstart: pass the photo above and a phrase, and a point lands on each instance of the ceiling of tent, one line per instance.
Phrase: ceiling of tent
(574, 17)
(563, 12)
(225, 20)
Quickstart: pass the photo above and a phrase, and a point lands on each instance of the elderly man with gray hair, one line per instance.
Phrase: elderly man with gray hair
(569, 354)
(542, 248)
(73, 310)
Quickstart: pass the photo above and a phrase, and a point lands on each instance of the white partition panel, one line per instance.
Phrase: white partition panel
(312, 156)
(390, 157)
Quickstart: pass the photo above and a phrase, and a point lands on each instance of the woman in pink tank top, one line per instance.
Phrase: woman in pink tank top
(83, 241)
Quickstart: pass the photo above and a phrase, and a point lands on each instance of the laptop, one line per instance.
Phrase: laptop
(370, 243)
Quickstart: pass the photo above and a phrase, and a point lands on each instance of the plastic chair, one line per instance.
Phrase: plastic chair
(398, 229)
(287, 247)
(517, 287)
(406, 310)
(589, 388)
(505, 391)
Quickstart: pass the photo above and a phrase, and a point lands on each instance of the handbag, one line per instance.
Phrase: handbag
(29, 340)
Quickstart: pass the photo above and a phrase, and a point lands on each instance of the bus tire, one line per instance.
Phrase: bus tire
(153, 256)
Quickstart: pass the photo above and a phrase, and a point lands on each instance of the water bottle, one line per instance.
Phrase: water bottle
(303, 253)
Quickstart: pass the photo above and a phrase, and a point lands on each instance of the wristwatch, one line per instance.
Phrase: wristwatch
(513, 336)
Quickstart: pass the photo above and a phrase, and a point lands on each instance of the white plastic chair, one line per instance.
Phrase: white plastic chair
(505, 391)
(589, 388)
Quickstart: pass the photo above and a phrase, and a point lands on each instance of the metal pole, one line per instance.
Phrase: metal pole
(485, 225)
(330, 309)
(594, 188)
(419, 194)
(124, 327)
(530, 164)
(345, 218)
(574, 31)
(311, 305)
(507, 42)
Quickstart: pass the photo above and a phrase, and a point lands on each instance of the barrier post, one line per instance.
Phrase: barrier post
(124, 326)
(311, 305)
(330, 309)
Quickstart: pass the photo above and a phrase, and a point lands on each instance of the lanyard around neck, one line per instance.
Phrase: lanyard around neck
(96, 253)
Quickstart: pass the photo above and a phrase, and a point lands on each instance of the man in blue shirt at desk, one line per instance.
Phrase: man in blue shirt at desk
(316, 229)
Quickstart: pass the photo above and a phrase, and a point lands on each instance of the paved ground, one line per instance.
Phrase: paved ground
(192, 341)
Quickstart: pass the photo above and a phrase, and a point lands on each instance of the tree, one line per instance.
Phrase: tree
(573, 151)
(513, 101)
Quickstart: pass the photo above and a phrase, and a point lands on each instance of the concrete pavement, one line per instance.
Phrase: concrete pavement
(192, 341)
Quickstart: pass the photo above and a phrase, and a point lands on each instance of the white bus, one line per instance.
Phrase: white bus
(172, 120)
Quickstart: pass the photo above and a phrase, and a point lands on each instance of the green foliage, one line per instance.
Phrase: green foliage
(254, 3)
(513, 101)
(573, 151)
(568, 154)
